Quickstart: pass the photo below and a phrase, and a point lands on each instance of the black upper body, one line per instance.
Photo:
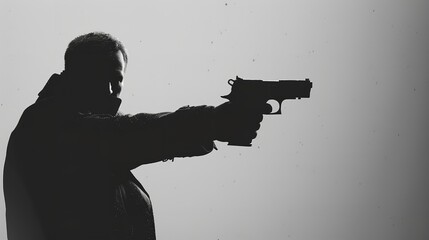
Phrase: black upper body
(67, 172)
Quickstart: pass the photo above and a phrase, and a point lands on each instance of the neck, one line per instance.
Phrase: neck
(102, 105)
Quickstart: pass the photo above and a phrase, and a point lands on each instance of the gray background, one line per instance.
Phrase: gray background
(348, 164)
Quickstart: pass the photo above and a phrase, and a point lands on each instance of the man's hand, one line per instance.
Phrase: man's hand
(235, 123)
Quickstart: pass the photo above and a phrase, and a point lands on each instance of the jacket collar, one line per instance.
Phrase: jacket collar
(56, 88)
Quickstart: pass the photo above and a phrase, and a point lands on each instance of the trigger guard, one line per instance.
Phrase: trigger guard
(276, 107)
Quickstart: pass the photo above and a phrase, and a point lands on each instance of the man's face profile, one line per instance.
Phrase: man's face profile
(101, 75)
(117, 75)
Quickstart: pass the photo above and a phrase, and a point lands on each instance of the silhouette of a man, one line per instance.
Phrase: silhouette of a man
(67, 170)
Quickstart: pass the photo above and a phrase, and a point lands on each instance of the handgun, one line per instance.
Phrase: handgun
(248, 93)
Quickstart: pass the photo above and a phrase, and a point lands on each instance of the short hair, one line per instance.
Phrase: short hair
(92, 43)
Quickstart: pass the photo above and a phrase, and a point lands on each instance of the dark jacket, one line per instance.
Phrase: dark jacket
(67, 172)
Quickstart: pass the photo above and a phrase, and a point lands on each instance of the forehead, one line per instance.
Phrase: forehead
(118, 59)
(114, 61)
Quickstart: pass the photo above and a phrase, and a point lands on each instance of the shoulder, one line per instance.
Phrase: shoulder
(44, 112)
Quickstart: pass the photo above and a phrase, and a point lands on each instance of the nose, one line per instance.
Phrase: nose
(116, 88)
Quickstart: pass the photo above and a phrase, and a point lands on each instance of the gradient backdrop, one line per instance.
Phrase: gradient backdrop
(350, 163)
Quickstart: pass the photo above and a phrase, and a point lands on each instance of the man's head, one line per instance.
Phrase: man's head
(96, 63)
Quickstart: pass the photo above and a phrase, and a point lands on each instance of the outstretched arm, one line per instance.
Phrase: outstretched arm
(132, 140)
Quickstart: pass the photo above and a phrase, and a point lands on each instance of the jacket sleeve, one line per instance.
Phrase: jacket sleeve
(128, 141)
